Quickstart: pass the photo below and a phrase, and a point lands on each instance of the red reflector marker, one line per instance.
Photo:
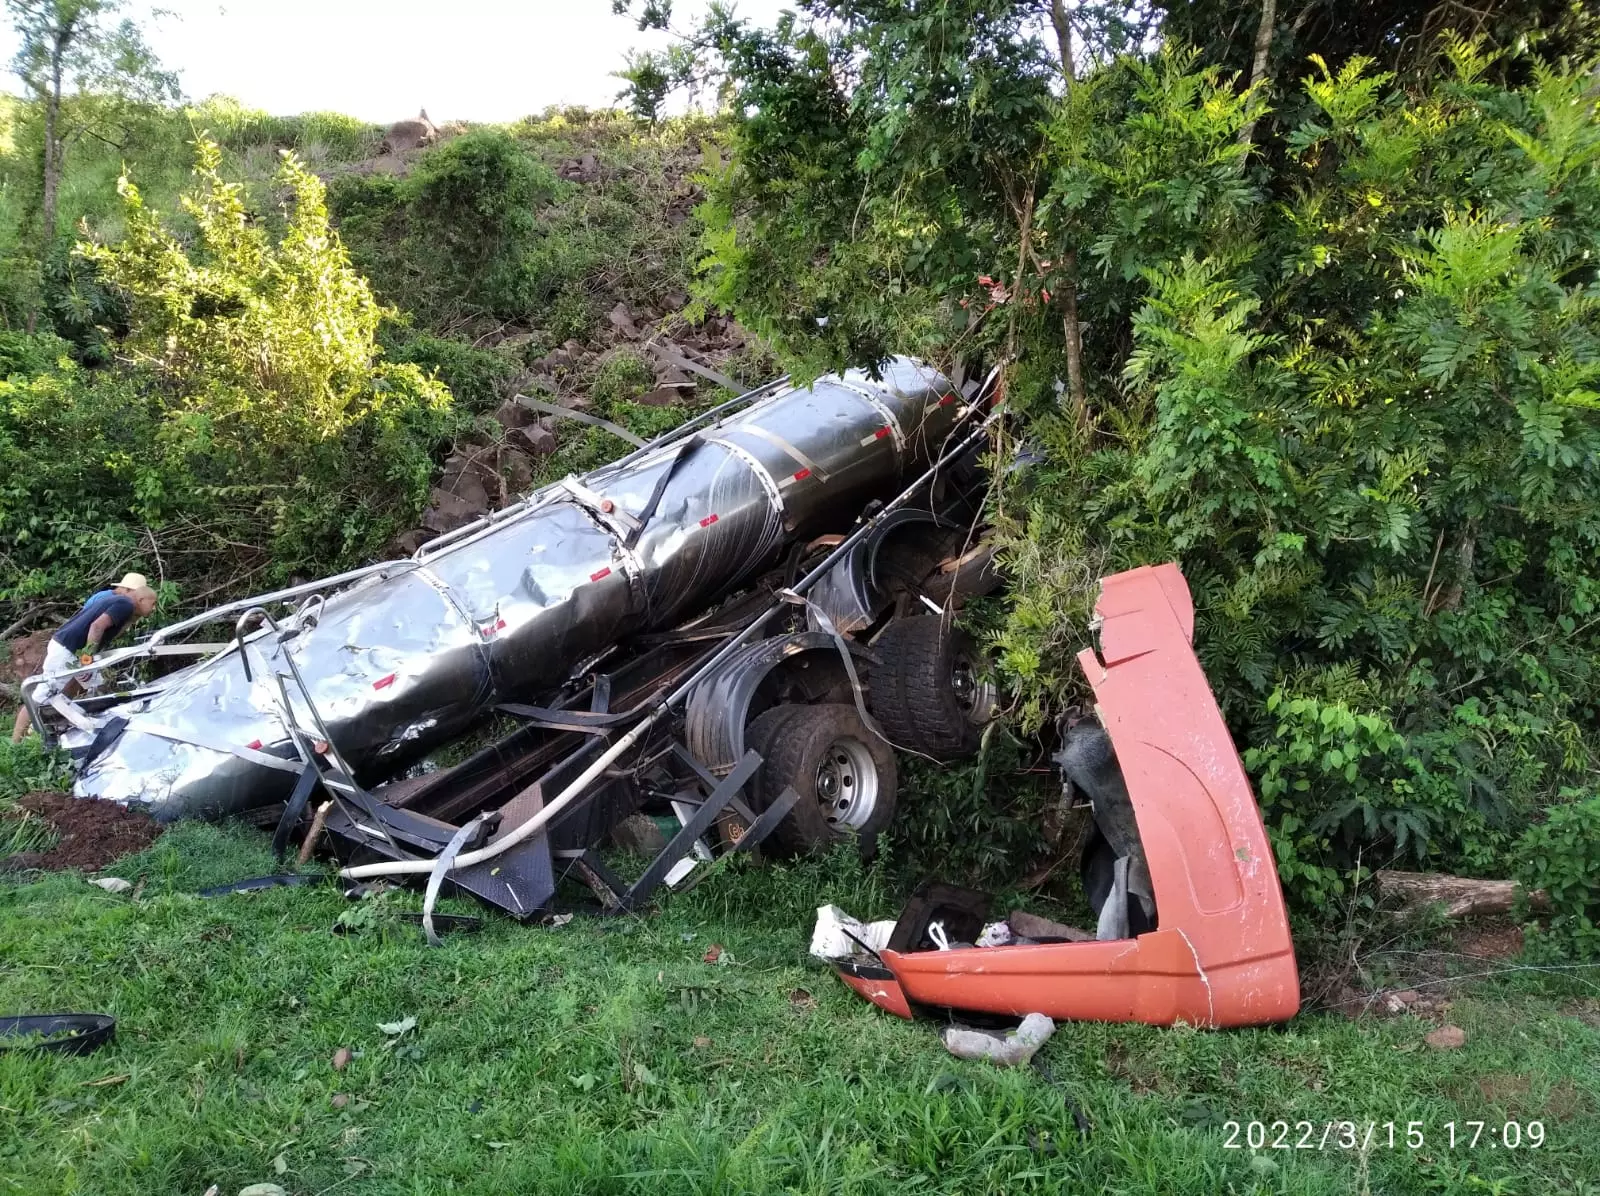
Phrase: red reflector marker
(384, 682)
(708, 520)
(947, 400)
(802, 475)
(603, 573)
(254, 745)
(880, 433)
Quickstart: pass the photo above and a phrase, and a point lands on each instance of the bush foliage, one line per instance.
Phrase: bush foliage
(248, 379)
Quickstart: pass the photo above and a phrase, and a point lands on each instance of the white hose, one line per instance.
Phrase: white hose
(531, 827)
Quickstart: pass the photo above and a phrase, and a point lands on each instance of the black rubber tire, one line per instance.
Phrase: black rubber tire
(758, 737)
(913, 694)
(801, 739)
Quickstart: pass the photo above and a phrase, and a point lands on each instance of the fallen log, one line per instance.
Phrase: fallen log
(1460, 896)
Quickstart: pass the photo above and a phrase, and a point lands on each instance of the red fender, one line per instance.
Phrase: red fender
(1221, 954)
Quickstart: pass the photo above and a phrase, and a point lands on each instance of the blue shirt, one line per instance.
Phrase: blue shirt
(74, 633)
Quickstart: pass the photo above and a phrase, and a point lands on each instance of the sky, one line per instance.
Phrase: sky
(382, 60)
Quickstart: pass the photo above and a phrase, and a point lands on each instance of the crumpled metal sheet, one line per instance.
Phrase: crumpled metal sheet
(408, 658)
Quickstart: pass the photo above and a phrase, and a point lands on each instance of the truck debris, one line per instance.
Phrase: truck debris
(1212, 948)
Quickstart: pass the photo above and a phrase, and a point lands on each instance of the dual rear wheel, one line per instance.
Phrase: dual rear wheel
(929, 695)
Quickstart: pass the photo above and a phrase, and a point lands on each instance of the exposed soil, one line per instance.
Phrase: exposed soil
(93, 833)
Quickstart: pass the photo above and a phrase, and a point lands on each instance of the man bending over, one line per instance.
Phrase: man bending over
(102, 618)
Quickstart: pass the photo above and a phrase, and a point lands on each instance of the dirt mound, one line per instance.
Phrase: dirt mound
(93, 833)
(25, 656)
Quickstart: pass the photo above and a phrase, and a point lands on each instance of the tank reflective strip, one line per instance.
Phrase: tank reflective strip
(890, 420)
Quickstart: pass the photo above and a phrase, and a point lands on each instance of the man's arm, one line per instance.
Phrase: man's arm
(97, 632)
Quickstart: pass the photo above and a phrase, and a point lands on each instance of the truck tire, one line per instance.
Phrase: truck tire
(758, 737)
(845, 775)
(929, 692)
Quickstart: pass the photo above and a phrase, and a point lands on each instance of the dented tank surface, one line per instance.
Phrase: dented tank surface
(410, 657)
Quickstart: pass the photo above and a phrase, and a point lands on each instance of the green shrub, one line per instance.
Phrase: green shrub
(250, 427)
(623, 374)
(1561, 855)
(477, 378)
(472, 209)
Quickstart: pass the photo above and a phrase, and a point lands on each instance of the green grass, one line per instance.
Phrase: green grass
(606, 1056)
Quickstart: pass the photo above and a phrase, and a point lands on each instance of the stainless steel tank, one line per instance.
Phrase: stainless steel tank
(408, 658)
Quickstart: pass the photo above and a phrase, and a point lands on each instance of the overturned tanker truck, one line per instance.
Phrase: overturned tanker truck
(730, 623)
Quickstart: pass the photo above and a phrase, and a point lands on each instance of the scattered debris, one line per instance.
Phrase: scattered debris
(113, 884)
(1446, 1038)
(996, 934)
(309, 843)
(255, 884)
(701, 1042)
(1014, 1048)
(559, 919)
(1042, 930)
(1400, 1002)
(397, 1029)
(801, 1000)
(1197, 962)
(341, 1058)
(67, 1033)
(263, 1190)
(713, 953)
(340, 1100)
(92, 833)
(839, 936)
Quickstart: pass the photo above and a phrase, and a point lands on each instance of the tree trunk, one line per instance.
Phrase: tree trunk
(1069, 301)
(1069, 260)
(1259, 65)
(52, 143)
(1461, 896)
(1063, 26)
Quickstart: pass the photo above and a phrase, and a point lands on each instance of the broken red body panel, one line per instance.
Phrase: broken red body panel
(1221, 953)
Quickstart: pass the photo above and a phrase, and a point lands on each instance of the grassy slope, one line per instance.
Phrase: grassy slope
(606, 1056)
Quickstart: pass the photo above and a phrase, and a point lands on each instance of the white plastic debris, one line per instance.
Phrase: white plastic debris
(995, 934)
(113, 884)
(1013, 1049)
(681, 869)
(831, 940)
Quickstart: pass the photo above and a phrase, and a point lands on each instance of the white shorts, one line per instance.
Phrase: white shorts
(57, 656)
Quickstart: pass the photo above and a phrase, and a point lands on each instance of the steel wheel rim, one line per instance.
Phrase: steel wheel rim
(847, 784)
(973, 694)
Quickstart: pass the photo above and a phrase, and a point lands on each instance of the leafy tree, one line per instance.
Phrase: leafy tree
(77, 49)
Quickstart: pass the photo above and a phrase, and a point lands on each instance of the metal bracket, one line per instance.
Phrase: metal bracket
(698, 824)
